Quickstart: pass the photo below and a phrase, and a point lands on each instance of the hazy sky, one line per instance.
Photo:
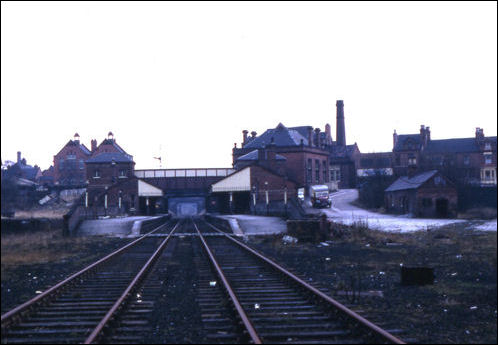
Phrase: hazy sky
(189, 77)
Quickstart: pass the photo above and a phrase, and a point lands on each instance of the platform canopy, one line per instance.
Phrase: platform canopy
(145, 189)
(239, 181)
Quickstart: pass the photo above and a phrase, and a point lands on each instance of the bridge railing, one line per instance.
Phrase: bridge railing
(205, 172)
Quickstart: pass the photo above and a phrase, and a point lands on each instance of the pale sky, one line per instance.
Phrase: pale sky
(189, 77)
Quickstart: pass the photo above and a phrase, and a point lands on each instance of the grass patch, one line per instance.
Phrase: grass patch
(41, 247)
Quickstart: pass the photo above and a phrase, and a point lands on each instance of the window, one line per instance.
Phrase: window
(488, 159)
(325, 175)
(71, 156)
(398, 160)
(487, 146)
(412, 160)
(317, 171)
(335, 173)
(82, 164)
(61, 164)
(122, 173)
(309, 171)
(96, 174)
(466, 160)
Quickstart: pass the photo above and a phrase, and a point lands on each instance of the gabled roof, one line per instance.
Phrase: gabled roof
(77, 145)
(281, 135)
(113, 143)
(405, 182)
(108, 157)
(253, 156)
(405, 139)
(452, 146)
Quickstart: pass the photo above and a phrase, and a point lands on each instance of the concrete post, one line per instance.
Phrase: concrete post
(285, 200)
(267, 203)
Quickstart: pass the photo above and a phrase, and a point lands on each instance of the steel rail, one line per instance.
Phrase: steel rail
(97, 330)
(245, 319)
(364, 322)
(15, 312)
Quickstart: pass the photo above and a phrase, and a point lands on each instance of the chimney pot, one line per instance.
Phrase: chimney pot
(253, 134)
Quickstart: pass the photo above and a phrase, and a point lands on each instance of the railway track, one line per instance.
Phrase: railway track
(79, 308)
(275, 306)
(225, 293)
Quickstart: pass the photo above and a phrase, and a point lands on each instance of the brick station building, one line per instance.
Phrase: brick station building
(306, 155)
(254, 189)
(427, 194)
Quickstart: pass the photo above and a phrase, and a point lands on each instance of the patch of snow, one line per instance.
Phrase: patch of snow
(488, 226)
(343, 212)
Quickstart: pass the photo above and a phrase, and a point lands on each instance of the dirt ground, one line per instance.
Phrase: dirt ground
(460, 307)
(33, 262)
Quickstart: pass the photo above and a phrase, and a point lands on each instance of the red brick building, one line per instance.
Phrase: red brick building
(111, 183)
(254, 187)
(286, 151)
(463, 160)
(427, 194)
(69, 164)
(311, 156)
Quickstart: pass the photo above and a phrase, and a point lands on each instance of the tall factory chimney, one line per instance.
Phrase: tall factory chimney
(340, 130)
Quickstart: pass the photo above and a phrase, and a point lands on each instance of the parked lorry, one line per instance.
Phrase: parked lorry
(320, 196)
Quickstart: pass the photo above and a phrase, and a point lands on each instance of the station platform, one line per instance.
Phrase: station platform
(243, 224)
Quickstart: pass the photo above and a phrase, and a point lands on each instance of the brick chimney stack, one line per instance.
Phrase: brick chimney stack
(310, 136)
(253, 134)
(328, 135)
(244, 136)
(317, 137)
(340, 130)
(93, 144)
(479, 134)
(395, 138)
(18, 157)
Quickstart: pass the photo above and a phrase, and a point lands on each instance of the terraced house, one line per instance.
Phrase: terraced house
(469, 161)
